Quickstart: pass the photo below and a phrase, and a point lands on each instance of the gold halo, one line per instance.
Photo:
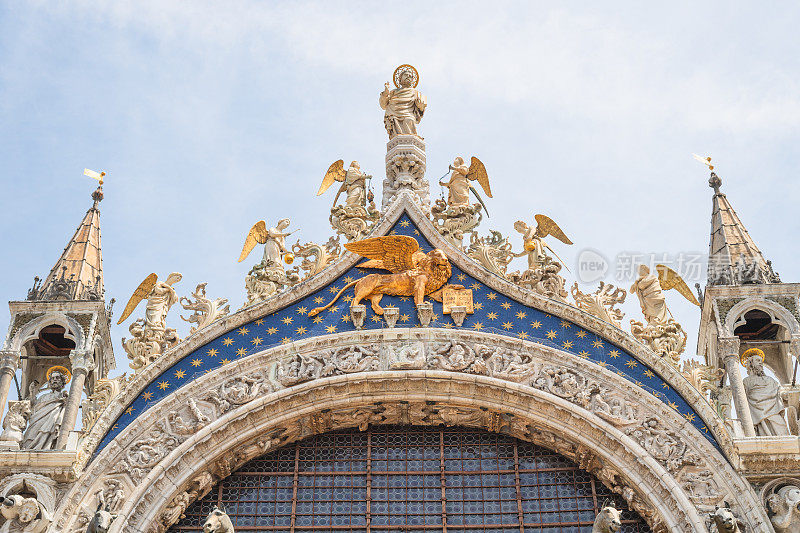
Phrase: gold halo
(751, 352)
(64, 370)
(405, 68)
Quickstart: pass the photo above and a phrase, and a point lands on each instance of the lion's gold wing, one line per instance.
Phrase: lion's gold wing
(336, 172)
(141, 292)
(669, 279)
(257, 235)
(394, 252)
(478, 172)
(547, 226)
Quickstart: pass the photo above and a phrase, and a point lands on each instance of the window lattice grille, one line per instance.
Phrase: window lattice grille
(398, 479)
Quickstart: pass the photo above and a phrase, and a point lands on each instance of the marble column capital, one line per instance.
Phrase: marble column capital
(82, 361)
(729, 347)
(9, 361)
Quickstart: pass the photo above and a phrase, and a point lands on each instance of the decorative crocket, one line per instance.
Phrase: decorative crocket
(413, 272)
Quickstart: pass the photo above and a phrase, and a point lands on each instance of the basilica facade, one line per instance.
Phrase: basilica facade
(401, 376)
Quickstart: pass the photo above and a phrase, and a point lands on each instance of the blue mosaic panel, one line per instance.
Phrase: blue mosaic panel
(494, 313)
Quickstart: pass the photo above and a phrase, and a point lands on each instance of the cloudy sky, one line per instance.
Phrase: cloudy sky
(210, 116)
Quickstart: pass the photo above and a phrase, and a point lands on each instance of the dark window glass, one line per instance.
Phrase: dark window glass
(393, 479)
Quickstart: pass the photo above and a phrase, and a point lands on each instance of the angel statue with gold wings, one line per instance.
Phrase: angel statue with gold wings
(354, 183)
(151, 336)
(354, 217)
(273, 239)
(459, 185)
(160, 297)
(650, 287)
(455, 216)
(533, 239)
(542, 274)
(661, 332)
(413, 272)
(268, 276)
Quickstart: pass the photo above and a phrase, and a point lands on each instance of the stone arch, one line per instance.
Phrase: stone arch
(778, 313)
(74, 331)
(777, 359)
(203, 431)
(42, 487)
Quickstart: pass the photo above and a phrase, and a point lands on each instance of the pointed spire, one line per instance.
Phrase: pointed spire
(733, 257)
(78, 273)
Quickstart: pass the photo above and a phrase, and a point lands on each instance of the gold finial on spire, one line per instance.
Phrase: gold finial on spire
(705, 160)
(714, 181)
(94, 175)
(97, 195)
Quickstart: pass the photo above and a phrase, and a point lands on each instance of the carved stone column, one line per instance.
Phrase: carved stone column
(82, 364)
(405, 171)
(9, 362)
(794, 353)
(729, 353)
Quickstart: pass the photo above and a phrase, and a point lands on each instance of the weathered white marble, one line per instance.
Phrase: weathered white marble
(490, 381)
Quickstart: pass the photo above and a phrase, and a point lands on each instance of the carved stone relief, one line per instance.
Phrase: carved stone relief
(27, 503)
(409, 356)
(663, 444)
(454, 357)
(146, 453)
(240, 390)
(781, 499)
(197, 488)
(577, 382)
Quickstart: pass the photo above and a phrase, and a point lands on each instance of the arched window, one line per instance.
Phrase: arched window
(757, 329)
(403, 479)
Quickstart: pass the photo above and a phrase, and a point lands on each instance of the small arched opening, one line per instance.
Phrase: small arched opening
(51, 347)
(758, 329)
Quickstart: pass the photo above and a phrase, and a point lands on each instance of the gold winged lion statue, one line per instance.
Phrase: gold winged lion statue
(413, 272)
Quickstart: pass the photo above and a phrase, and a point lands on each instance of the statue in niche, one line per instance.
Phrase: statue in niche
(763, 395)
(47, 411)
(404, 105)
(23, 514)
